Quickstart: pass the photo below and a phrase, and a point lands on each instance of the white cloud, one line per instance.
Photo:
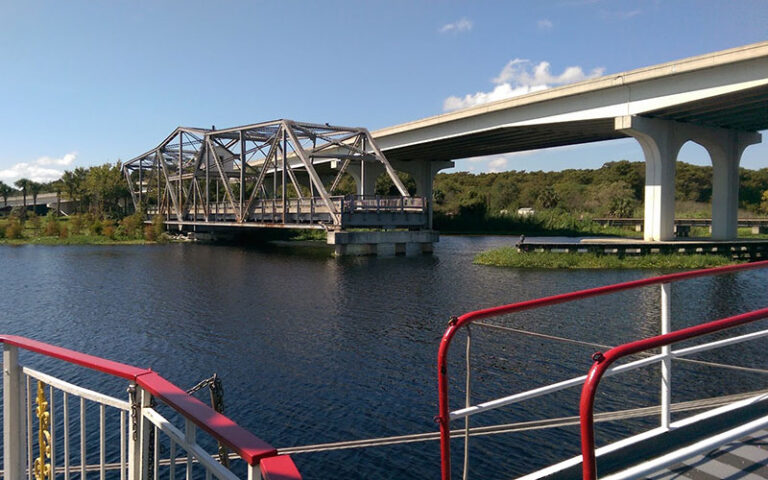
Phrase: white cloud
(462, 25)
(519, 77)
(497, 164)
(545, 24)
(40, 170)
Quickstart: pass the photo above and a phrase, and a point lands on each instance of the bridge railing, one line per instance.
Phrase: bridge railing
(604, 360)
(445, 415)
(379, 203)
(55, 428)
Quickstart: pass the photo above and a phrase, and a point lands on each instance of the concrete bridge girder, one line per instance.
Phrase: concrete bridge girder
(661, 141)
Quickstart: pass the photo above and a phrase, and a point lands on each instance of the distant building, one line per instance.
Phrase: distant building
(525, 211)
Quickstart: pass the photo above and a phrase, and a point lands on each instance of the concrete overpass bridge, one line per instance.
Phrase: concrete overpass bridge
(718, 100)
(284, 173)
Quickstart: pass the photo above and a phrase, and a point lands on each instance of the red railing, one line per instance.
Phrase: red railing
(604, 360)
(456, 323)
(249, 447)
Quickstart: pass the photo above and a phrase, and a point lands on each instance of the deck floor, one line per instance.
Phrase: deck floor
(746, 458)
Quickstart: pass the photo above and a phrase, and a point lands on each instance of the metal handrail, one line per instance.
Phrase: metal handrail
(249, 447)
(444, 418)
(604, 360)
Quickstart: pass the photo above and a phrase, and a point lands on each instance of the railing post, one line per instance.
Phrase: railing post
(666, 363)
(254, 473)
(138, 439)
(14, 442)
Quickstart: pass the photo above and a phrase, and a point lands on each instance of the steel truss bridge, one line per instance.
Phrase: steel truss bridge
(275, 174)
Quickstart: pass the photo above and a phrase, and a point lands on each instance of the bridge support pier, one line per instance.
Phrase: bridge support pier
(383, 243)
(661, 141)
(423, 173)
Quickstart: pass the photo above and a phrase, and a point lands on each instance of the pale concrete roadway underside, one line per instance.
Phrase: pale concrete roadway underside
(719, 100)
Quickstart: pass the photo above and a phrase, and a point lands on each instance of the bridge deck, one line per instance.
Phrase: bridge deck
(743, 248)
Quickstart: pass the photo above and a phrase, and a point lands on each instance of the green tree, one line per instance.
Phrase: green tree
(73, 183)
(58, 187)
(764, 203)
(104, 187)
(34, 189)
(548, 197)
(23, 185)
(5, 192)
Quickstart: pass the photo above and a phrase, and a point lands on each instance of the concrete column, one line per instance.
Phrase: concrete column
(725, 149)
(365, 176)
(423, 173)
(660, 142)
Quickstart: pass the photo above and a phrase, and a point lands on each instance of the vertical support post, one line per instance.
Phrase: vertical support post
(13, 415)
(157, 167)
(666, 363)
(207, 201)
(181, 187)
(190, 434)
(362, 170)
(242, 177)
(283, 190)
(141, 181)
(138, 439)
(253, 472)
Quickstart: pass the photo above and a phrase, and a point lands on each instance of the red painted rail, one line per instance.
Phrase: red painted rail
(604, 360)
(250, 448)
(456, 323)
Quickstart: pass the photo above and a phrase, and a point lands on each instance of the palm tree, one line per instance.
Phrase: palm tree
(34, 189)
(58, 187)
(5, 191)
(23, 184)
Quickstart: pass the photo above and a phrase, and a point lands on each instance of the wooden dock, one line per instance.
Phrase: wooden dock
(744, 249)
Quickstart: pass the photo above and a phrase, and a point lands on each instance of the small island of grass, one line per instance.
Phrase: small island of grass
(511, 257)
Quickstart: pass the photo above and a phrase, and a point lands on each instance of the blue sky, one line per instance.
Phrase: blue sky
(88, 82)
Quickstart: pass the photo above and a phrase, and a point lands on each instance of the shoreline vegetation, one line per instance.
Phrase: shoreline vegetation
(510, 257)
(86, 229)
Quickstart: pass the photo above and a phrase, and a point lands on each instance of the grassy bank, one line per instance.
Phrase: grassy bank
(79, 230)
(510, 257)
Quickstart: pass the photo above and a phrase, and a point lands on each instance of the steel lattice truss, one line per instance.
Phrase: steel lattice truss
(281, 172)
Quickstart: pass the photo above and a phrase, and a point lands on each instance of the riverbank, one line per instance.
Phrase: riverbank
(510, 257)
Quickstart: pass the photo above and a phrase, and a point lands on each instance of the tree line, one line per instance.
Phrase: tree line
(616, 189)
(100, 190)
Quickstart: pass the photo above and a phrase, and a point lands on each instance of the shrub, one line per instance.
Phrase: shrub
(75, 224)
(63, 230)
(132, 226)
(158, 225)
(109, 231)
(96, 227)
(34, 220)
(51, 226)
(149, 233)
(13, 230)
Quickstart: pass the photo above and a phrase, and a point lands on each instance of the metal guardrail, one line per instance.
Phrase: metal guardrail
(604, 360)
(445, 415)
(140, 428)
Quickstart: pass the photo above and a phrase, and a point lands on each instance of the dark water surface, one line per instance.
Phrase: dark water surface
(313, 349)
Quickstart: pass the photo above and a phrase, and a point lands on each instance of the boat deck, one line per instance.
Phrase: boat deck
(746, 458)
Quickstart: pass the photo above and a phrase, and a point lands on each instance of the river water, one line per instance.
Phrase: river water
(313, 349)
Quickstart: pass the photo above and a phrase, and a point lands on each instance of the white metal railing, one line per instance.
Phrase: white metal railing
(664, 358)
(53, 428)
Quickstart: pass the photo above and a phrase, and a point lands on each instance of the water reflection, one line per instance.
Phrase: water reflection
(314, 349)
